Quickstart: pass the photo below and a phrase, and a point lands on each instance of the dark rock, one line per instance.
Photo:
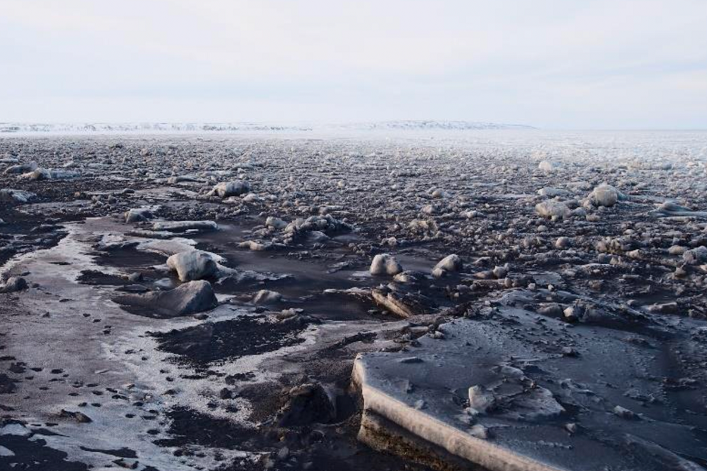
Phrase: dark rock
(189, 298)
(307, 404)
(75, 415)
(14, 284)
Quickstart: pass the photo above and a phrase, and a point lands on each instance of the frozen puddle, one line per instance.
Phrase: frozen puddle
(83, 404)
(103, 388)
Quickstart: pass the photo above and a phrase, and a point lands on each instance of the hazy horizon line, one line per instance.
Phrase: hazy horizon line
(510, 125)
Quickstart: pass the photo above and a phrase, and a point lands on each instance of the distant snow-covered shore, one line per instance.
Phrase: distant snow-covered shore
(249, 127)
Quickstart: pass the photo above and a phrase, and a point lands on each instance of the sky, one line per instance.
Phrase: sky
(555, 64)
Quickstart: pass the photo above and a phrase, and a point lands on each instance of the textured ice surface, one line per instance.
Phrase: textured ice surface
(539, 389)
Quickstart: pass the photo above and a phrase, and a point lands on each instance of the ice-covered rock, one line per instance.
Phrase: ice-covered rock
(327, 224)
(317, 237)
(385, 264)
(696, 255)
(604, 195)
(481, 399)
(562, 242)
(552, 192)
(50, 174)
(580, 185)
(14, 284)
(438, 193)
(20, 168)
(402, 303)
(449, 264)
(275, 223)
(255, 246)
(677, 249)
(500, 271)
(408, 276)
(18, 196)
(265, 296)
(137, 215)
(193, 265)
(553, 209)
(536, 403)
(548, 167)
(234, 188)
(624, 413)
(672, 209)
(183, 226)
(188, 298)
(181, 179)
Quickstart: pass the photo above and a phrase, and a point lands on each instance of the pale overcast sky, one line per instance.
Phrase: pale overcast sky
(552, 64)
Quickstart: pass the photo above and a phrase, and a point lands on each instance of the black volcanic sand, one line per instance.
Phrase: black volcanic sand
(33, 454)
(325, 450)
(383, 190)
(228, 340)
(24, 233)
